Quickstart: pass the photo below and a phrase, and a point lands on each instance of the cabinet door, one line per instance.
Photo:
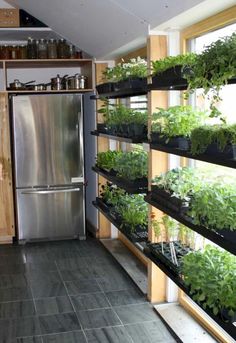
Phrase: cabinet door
(7, 226)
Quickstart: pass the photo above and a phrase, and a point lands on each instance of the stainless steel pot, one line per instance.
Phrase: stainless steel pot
(41, 86)
(77, 82)
(58, 82)
(17, 85)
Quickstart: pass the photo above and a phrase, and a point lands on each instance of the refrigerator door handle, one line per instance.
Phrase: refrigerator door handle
(65, 190)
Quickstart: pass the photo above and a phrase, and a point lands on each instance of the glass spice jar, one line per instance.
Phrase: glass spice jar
(13, 52)
(71, 51)
(42, 49)
(5, 52)
(23, 52)
(62, 49)
(52, 49)
(31, 48)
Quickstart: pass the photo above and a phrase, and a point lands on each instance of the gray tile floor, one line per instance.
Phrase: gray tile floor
(72, 292)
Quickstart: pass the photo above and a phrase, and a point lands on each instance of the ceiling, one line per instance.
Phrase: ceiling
(106, 28)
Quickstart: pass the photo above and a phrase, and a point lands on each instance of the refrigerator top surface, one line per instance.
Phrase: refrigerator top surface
(48, 139)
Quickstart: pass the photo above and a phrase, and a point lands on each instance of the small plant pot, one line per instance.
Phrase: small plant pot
(137, 130)
(171, 202)
(172, 78)
(229, 151)
(226, 317)
(107, 87)
(123, 130)
(102, 128)
(140, 234)
(112, 130)
(174, 142)
(156, 138)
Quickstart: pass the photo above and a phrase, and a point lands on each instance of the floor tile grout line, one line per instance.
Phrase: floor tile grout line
(71, 302)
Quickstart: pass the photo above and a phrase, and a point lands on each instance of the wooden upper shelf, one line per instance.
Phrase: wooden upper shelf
(41, 63)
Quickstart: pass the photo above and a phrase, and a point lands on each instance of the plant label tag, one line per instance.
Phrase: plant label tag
(146, 147)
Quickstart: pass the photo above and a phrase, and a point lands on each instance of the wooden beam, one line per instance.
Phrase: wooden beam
(7, 223)
(104, 226)
(158, 163)
(212, 23)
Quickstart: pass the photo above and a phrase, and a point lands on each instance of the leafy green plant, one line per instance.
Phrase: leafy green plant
(161, 65)
(177, 121)
(120, 114)
(213, 68)
(132, 165)
(134, 212)
(214, 206)
(135, 67)
(203, 136)
(107, 160)
(210, 276)
(180, 182)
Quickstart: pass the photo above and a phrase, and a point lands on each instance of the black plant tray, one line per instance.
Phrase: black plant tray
(181, 143)
(139, 236)
(216, 159)
(104, 88)
(127, 88)
(134, 140)
(165, 198)
(133, 187)
(216, 237)
(229, 151)
(170, 79)
(180, 250)
(228, 327)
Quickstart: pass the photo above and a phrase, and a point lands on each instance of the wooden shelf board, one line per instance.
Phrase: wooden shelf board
(51, 91)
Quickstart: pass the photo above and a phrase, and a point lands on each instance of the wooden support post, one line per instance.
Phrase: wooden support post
(7, 224)
(104, 225)
(158, 163)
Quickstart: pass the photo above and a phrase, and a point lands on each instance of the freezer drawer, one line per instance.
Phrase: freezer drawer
(54, 213)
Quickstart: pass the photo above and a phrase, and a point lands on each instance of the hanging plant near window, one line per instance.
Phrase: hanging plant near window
(213, 69)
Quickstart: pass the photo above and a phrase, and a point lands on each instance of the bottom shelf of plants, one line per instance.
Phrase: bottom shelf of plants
(129, 213)
(208, 277)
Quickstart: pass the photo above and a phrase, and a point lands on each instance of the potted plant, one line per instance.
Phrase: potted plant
(134, 215)
(173, 127)
(169, 72)
(213, 69)
(214, 140)
(125, 75)
(174, 188)
(107, 160)
(214, 207)
(210, 278)
(133, 166)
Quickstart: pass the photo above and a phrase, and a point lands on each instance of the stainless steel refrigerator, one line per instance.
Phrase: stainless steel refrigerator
(49, 166)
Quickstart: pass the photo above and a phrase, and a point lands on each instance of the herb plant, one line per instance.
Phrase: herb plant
(161, 65)
(107, 160)
(210, 276)
(132, 165)
(177, 121)
(203, 136)
(179, 182)
(213, 68)
(135, 67)
(214, 206)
